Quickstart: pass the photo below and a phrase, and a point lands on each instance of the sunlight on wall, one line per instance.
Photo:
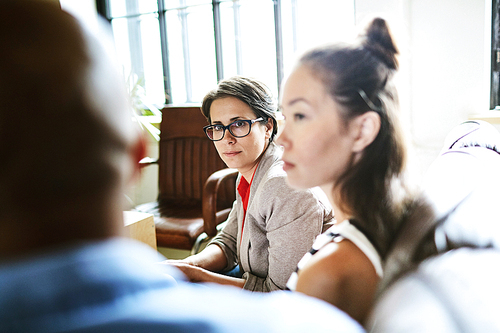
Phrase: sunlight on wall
(82, 9)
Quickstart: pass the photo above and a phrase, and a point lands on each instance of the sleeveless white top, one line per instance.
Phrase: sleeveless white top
(337, 233)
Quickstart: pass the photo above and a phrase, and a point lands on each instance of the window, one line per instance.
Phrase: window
(495, 56)
(177, 50)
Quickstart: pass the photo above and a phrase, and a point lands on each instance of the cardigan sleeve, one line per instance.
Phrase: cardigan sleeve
(293, 219)
(227, 239)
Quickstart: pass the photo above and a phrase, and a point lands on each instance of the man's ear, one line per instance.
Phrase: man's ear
(366, 128)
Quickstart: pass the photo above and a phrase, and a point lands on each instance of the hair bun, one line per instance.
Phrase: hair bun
(378, 39)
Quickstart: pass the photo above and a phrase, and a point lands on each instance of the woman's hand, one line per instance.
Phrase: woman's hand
(192, 272)
(198, 274)
(200, 267)
(212, 258)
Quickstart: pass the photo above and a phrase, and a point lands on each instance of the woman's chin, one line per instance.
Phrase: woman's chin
(230, 164)
(297, 182)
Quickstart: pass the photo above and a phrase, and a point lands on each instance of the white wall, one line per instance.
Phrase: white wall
(447, 69)
(445, 65)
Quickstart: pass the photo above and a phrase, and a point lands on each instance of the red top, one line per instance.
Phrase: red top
(244, 191)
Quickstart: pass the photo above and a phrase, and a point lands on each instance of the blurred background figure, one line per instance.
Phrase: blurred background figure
(442, 273)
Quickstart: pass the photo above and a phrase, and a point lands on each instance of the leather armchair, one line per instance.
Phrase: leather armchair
(196, 190)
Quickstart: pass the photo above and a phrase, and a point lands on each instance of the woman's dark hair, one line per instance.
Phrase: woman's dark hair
(252, 92)
(359, 78)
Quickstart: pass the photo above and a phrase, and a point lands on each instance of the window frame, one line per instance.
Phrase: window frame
(103, 9)
(495, 56)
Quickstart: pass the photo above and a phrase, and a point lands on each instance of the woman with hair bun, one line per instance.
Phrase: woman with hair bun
(342, 134)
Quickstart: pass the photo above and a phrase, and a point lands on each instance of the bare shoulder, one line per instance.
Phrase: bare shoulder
(341, 274)
(340, 260)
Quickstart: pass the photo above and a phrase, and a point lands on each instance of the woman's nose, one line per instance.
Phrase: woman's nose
(229, 137)
(282, 139)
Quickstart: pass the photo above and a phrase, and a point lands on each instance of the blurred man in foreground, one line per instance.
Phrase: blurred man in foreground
(68, 150)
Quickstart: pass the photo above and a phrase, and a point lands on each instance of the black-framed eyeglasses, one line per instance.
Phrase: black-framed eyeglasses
(238, 129)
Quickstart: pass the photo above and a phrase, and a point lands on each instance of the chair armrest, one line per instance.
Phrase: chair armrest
(146, 161)
(209, 201)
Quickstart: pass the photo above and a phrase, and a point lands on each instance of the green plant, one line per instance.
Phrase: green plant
(146, 114)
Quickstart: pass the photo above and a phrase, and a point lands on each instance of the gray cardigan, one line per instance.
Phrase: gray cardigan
(280, 226)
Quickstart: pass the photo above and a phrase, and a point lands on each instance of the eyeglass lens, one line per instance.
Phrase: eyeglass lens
(237, 129)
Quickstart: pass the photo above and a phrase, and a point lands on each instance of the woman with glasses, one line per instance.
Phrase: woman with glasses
(271, 225)
(342, 134)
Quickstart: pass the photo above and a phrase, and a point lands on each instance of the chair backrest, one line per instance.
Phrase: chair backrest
(186, 157)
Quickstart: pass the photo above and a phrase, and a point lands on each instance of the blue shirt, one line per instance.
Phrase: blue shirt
(114, 286)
